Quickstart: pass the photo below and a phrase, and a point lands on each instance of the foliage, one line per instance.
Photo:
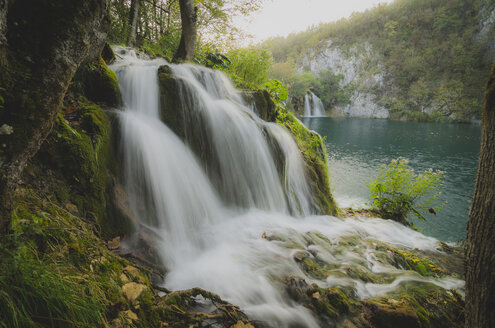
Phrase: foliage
(159, 22)
(433, 53)
(250, 66)
(277, 90)
(36, 290)
(396, 191)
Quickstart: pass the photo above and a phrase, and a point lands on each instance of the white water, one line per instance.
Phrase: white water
(313, 106)
(223, 217)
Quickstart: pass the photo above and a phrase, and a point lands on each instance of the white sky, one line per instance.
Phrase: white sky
(282, 17)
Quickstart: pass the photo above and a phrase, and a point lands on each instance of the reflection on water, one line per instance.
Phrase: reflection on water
(357, 148)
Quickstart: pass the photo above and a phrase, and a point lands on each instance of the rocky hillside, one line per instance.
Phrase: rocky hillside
(415, 60)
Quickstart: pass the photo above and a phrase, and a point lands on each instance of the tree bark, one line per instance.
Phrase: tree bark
(133, 21)
(188, 38)
(46, 40)
(480, 242)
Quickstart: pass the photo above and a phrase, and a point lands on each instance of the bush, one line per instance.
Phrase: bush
(397, 191)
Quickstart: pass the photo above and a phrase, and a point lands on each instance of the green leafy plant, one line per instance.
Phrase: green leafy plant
(277, 89)
(397, 191)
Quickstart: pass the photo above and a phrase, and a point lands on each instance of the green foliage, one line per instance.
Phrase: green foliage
(159, 23)
(250, 66)
(331, 92)
(277, 90)
(301, 83)
(431, 51)
(397, 190)
(36, 289)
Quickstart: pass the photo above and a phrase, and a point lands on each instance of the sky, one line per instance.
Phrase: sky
(282, 17)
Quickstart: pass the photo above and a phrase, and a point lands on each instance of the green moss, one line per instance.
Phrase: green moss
(415, 263)
(315, 158)
(54, 271)
(98, 83)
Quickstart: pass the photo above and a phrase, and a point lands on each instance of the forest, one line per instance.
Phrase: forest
(434, 55)
(154, 173)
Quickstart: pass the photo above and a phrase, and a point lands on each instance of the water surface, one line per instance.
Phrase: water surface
(357, 148)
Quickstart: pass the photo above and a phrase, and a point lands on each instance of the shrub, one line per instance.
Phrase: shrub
(397, 191)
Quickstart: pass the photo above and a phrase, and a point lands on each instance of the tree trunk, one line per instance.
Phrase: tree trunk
(46, 41)
(133, 21)
(188, 38)
(480, 243)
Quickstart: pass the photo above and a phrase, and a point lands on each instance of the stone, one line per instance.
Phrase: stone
(71, 208)
(114, 243)
(241, 324)
(133, 290)
(135, 274)
(130, 315)
(300, 256)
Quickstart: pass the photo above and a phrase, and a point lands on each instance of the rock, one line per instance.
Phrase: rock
(262, 104)
(71, 208)
(124, 278)
(98, 83)
(116, 323)
(135, 274)
(107, 54)
(114, 243)
(133, 290)
(300, 256)
(131, 316)
(241, 324)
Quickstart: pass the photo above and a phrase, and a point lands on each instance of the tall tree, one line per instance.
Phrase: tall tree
(45, 41)
(188, 39)
(480, 243)
(133, 21)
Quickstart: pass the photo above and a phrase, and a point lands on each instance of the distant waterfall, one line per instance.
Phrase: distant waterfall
(313, 106)
(230, 205)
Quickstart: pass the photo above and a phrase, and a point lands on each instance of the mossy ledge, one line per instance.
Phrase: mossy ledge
(315, 157)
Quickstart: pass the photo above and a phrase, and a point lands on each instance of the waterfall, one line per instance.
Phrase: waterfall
(313, 106)
(230, 204)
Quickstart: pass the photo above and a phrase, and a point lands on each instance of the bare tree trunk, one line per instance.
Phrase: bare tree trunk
(480, 243)
(133, 20)
(188, 38)
(42, 56)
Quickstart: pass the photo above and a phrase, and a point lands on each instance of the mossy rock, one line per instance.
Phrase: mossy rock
(315, 157)
(98, 83)
(107, 54)
(262, 103)
(171, 111)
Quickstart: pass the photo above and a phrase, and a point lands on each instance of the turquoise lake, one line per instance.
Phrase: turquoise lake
(357, 147)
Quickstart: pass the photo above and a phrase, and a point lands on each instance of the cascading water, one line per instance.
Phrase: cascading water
(313, 106)
(220, 204)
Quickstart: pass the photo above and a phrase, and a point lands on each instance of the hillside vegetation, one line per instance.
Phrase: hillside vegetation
(434, 56)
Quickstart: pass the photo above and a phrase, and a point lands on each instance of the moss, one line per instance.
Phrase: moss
(98, 83)
(262, 102)
(55, 269)
(315, 158)
(415, 263)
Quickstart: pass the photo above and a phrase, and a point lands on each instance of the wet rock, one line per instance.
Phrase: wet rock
(241, 324)
(300, 256)
(262, 104)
